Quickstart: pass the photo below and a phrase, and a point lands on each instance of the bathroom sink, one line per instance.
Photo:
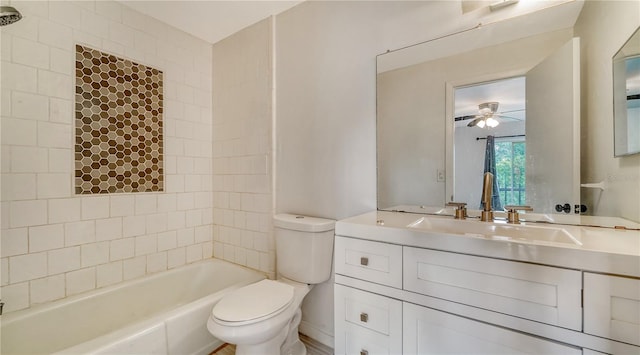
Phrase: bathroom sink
(496, 230)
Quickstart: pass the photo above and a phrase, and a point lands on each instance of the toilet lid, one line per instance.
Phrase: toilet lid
(254, 301)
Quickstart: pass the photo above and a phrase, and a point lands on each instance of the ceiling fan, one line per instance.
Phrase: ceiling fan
(486, 116)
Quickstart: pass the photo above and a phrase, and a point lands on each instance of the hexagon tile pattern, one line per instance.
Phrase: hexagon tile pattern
(118, 125)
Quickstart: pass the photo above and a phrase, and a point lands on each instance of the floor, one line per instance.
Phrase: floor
(313, 348)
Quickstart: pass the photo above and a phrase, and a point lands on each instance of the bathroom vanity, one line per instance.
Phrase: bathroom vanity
(410, 283)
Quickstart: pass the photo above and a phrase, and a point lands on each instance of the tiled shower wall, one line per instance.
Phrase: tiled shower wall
(242, 148)
(55, 243)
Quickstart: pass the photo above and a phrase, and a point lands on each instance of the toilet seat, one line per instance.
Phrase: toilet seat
(253, 303)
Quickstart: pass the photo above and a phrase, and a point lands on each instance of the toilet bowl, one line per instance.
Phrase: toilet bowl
(263, 318)
(260, 317)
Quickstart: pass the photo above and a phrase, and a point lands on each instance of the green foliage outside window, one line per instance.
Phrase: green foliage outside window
(510, 171)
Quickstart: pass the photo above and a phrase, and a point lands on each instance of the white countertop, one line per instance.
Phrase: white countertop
(605, 250)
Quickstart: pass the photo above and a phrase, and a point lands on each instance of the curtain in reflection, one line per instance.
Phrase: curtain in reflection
(490, 166)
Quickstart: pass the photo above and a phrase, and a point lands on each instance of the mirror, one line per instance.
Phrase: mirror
(416, 123)
(416, 86)
(626, 97)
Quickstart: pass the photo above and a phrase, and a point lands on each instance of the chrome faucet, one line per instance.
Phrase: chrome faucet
(487, 193)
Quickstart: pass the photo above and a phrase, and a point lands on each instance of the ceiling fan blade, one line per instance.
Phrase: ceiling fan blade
(509, 117)
(475, 122)
(466, 117)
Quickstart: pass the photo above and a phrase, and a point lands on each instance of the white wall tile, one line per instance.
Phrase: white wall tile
(15, 296)
(63, 260)
(4, 272)
(194, 218)
(207, 250)
(95, 207)
(122, 249)
(135, 267)
(30, 106)
(167, 202)
(54, 135)
(185, 237)
(47, 289)
(157, 223)
(27, 267)
(75, 240)
(60, 110)
(53, 185)
(80, 280)
(134, 226)
(55, 35)
(157, 262)
(18, 187)
(185, 201)
(60, 161)
(27, 213)
(176, 257)
(55, 84)
(108, 274)
(108, 228)
(194, 253)
(19, 77)
(94, 254)
(146, 204)
(176, 220)
(122, 205)
(78, 233)
(64, 210)
(66, 13)
(167, 240)
(202, 234)
(94, 24)
(146, 244)
(14, 241)
(30, 53)
(61, 61)
(46, 237)
(18, 131)
(109, 9)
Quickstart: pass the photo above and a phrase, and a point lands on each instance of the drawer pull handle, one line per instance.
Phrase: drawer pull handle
(364, 261)
(364, 352)
(364, 317)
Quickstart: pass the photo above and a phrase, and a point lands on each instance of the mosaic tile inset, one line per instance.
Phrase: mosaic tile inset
(118, 127)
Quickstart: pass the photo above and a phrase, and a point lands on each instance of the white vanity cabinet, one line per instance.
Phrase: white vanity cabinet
(612, 307)
(394, 298)
(427, 331)
(366, 323)
(540, 293)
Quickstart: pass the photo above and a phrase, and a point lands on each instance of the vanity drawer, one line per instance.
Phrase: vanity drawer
(540, 293)
(428, 331)
(612, 307)
(366, 322)
(371, 261)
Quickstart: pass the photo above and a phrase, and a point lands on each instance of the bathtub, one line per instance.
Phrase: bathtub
(164, 313)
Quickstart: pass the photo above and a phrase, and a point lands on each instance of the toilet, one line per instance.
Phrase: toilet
(263, 317)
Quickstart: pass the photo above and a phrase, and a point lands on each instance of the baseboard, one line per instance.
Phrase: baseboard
(315, 333)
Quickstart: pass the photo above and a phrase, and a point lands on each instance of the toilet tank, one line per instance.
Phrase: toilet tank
(304, 247)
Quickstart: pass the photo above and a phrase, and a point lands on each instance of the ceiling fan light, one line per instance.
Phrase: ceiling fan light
(480, 124)
(492, 122)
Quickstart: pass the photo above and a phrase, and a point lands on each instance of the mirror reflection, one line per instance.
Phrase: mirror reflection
(476, 119)
(626, 97)
(416, 105)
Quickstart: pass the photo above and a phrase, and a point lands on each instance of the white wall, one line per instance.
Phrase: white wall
(55, 243)
(242, 148)
(325, 122)
(604, 26)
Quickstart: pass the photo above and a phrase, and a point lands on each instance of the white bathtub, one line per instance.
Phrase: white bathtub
(165, 313)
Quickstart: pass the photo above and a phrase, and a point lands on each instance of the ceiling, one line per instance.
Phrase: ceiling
(509, 93)
(210, 20)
